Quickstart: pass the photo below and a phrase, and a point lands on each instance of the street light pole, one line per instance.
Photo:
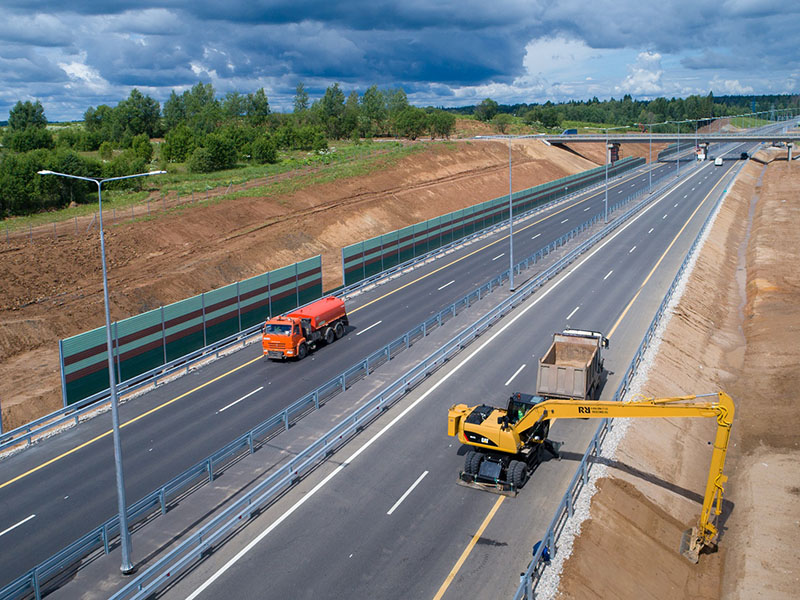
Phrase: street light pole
(510, 225)
(605, 200)
(650, 170)
(125, 541)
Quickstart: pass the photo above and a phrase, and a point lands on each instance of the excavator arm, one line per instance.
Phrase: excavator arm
(496, 432)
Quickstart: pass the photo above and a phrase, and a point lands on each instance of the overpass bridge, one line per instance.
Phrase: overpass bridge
(702, 139)
(669, 138)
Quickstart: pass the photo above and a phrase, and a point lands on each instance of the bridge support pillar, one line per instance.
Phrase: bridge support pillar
(789, 148)
(612, 153)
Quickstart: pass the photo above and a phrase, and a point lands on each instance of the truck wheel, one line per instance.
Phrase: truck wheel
(472, 462)
(338, 330)
(518, 473)
(329, 335)
(302, 351)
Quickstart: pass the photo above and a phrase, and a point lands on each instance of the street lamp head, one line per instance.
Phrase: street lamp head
(45, 172)
(157, 173)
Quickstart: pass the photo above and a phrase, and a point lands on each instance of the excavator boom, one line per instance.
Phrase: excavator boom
(500, 433)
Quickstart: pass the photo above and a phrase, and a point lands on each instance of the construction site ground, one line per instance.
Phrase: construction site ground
(52, 288)
(735, 329)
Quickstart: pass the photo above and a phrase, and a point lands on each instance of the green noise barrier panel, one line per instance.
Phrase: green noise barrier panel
(370, 257)
(156, 337)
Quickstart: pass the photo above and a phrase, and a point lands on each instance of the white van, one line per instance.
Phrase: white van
(718, 161)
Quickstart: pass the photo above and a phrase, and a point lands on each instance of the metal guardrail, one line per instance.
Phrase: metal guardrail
(72, 414)
(190, 550)
(581, 478)
(204, 471)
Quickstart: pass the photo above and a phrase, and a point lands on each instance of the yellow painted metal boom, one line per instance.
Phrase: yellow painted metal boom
(497, 434)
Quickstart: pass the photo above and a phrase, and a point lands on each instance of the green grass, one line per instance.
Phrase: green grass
(347, 160)
(589, 127)
(748, 122)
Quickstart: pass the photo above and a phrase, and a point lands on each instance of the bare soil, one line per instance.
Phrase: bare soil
(53, 289)
(735, 329)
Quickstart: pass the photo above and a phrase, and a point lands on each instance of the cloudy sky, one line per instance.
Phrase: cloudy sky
(79, 53)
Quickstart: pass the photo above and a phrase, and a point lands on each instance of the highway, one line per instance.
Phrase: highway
(58, 489)
(385, 517)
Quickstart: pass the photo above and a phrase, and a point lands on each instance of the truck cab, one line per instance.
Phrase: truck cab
(281, 337)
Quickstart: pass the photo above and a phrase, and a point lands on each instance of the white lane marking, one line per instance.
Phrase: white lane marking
(686, 196)
(240, 399)
(537, 235)
(368, 328)
(499, 256)
(573, 312)
(675, 205)
(587, 208)
(446, 284)
(408, 491)
(290, 511)
(692, 189)
(664, 217)
(633, 185)
(651, 230)
(608, 274)
(517, 372)
(632, 249)
(564, 221)
(25, 520)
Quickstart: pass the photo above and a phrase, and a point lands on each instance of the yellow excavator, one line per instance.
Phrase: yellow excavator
(506, 444)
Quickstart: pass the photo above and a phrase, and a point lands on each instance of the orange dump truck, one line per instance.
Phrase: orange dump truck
(294, 334)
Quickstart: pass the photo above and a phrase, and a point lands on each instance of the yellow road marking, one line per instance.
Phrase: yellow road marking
(107, 433)
(672, 243)
(449, 579)
(167, 403)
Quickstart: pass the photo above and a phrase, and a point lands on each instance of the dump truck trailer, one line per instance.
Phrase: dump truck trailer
(297, 333)
(573, 366)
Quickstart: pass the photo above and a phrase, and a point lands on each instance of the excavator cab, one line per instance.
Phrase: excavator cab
(519, 404)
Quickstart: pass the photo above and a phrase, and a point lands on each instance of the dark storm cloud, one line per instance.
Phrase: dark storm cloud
(100, 49)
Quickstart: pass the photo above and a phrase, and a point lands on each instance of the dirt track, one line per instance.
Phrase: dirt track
(734, 329)
(52, 289)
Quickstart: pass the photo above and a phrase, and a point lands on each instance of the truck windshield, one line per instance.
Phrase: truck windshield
(276, 329)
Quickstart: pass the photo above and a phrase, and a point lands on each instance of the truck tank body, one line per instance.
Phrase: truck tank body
(321, 312)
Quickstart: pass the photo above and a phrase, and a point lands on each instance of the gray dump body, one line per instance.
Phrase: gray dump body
(572, 367)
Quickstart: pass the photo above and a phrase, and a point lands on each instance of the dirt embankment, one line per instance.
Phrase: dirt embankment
(735, 329)
(53, 289)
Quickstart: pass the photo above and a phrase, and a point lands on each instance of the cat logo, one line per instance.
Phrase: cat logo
(484, 440)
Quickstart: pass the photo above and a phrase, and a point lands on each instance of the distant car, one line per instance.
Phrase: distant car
(744, 156)
(718, 161)
(569, 132)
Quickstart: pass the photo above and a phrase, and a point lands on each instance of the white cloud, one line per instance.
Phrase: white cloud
(82, 74)
(644, 76)
(729, 86)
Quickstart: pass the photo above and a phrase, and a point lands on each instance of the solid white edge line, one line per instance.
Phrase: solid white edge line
(569, 316)
(510, 379)
(240, 399)
(412, 406)
(25, 520)
(446, 284)
(368, 328)
(408, 491)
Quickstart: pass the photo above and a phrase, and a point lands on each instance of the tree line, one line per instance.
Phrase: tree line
(629, 112)
(205, 132)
